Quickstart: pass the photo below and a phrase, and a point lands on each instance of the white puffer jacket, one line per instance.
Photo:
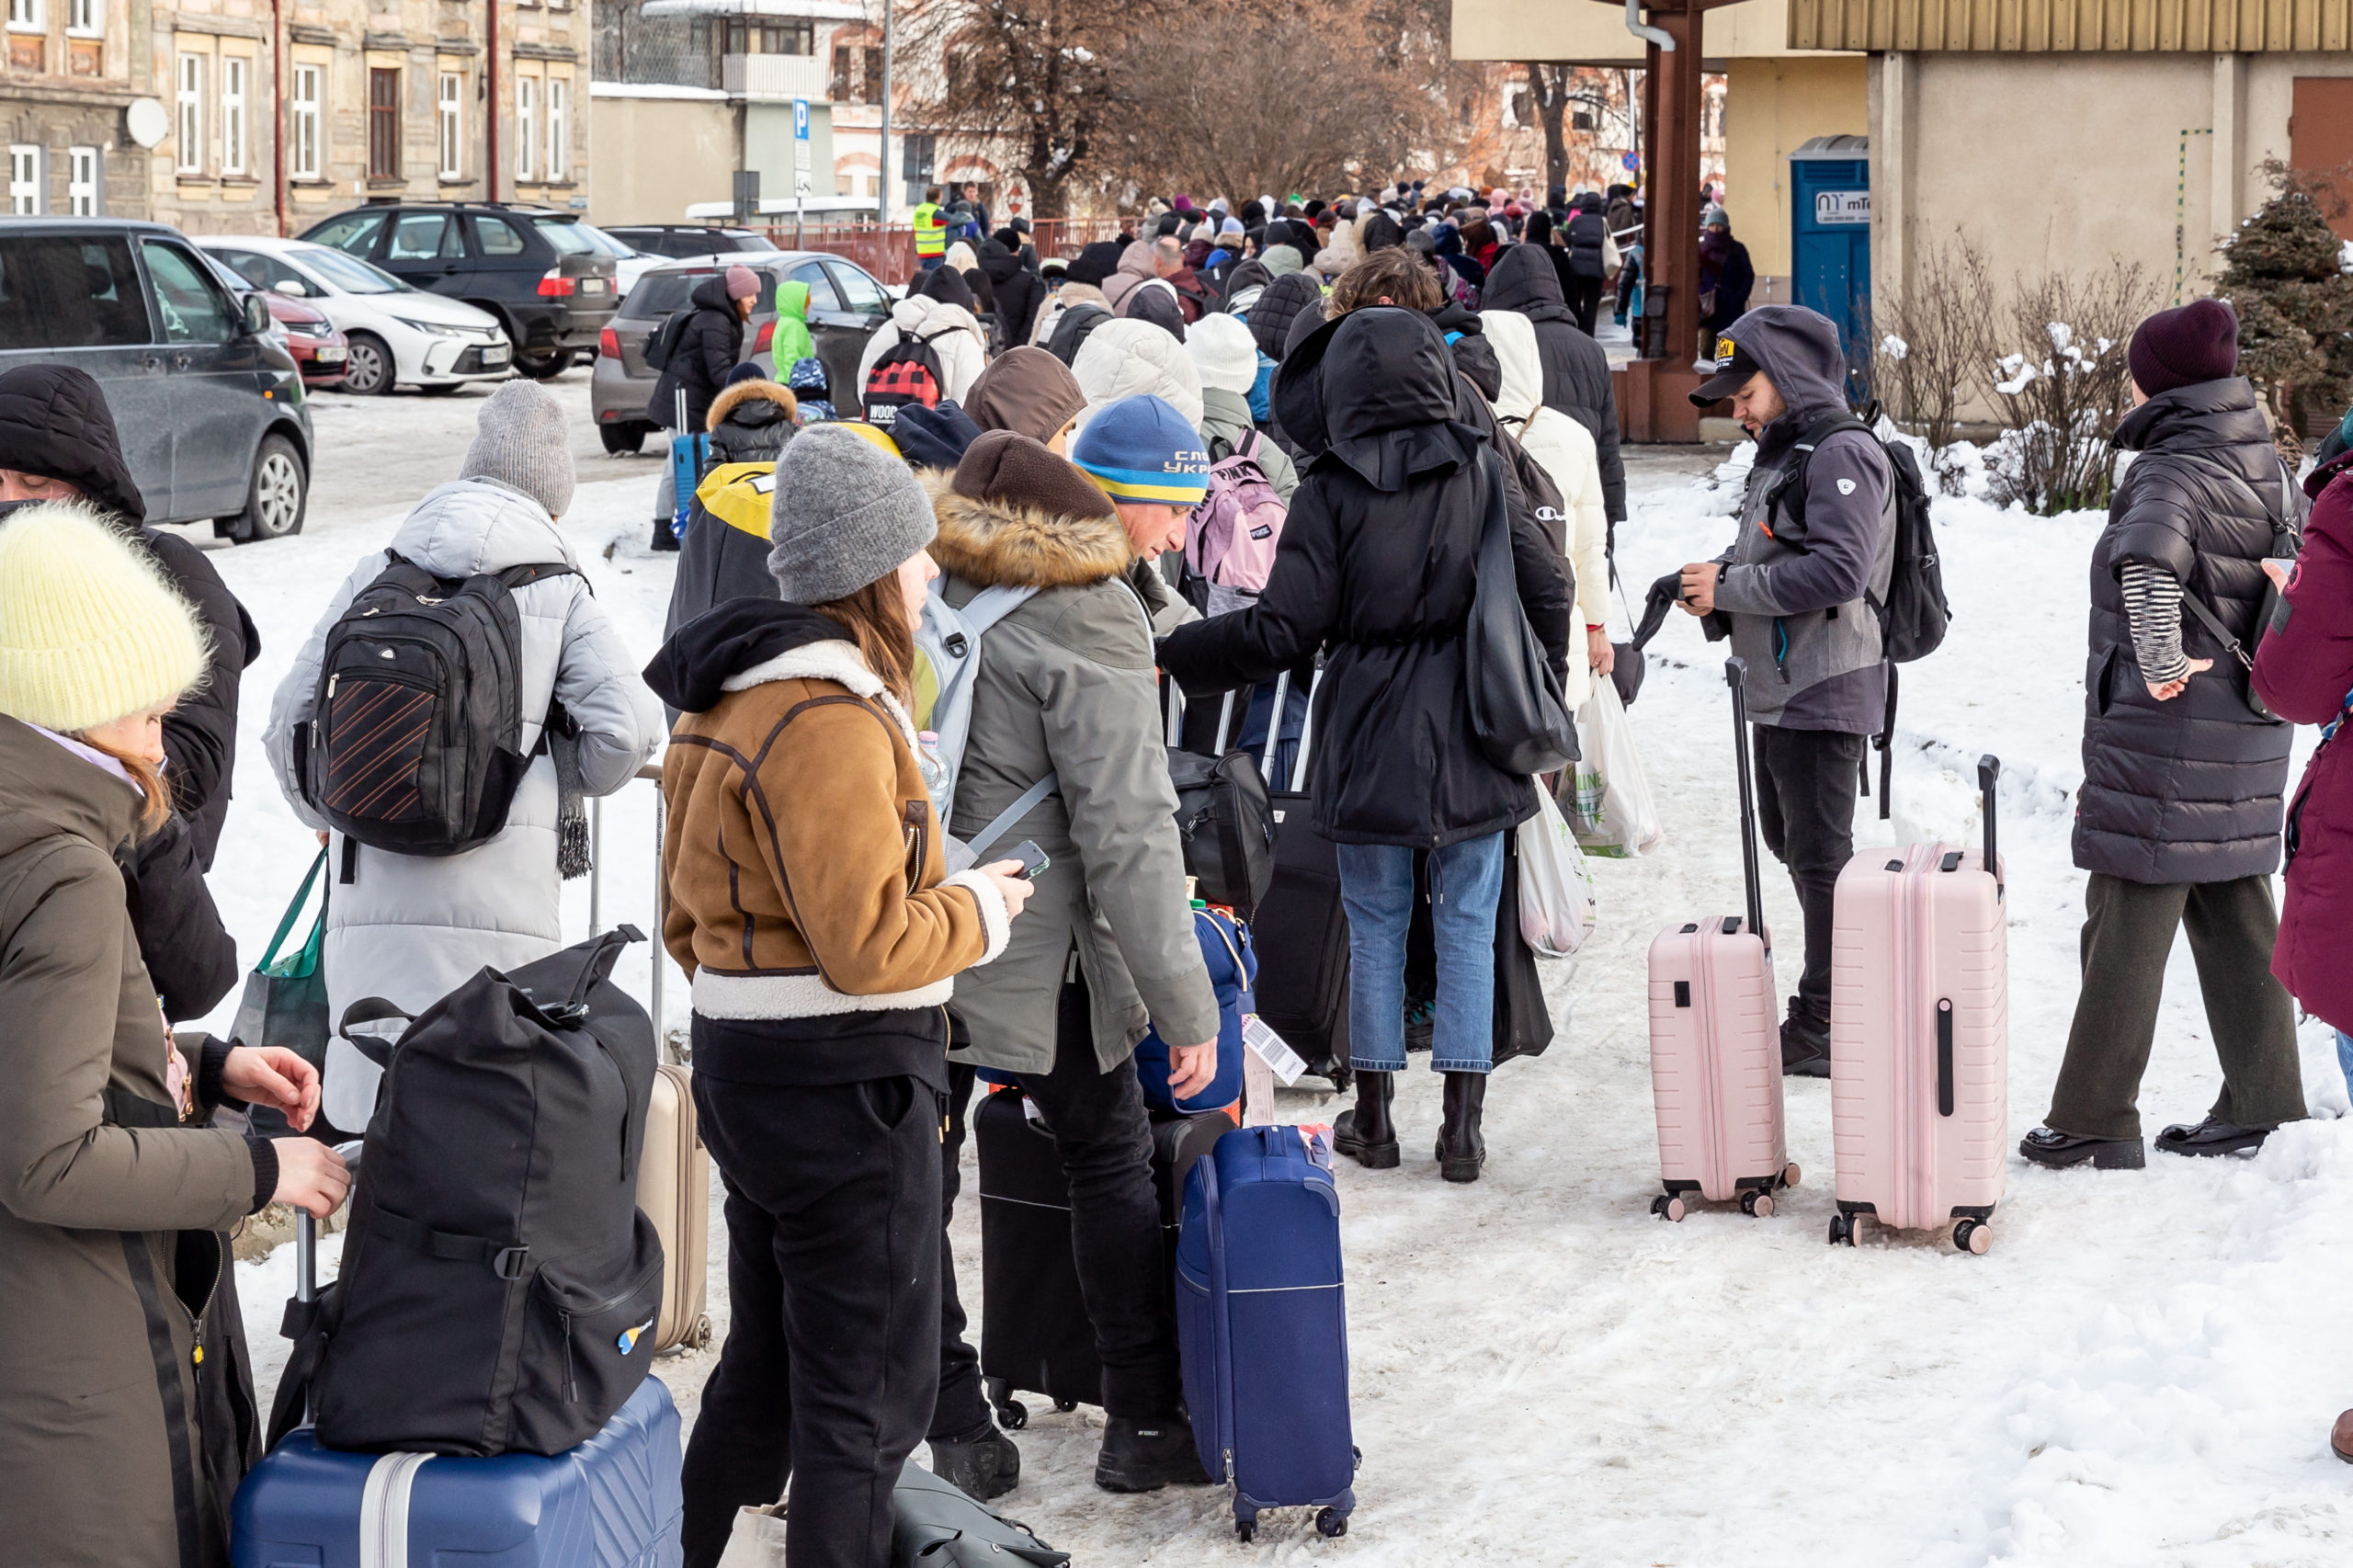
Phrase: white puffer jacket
(1564, 450)
(412, 928)
(1124, 357)
(953, 332)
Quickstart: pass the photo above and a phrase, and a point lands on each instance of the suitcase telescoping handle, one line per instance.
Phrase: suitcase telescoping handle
(1736, 677)
(1989, 773)
(306, 1234)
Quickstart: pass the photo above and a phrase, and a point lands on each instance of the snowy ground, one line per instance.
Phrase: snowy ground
(2140, 1373)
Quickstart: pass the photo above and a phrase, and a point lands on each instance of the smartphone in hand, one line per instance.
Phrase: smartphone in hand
(1032, 858)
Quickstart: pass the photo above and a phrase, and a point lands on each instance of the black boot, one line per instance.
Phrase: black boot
(1366, 1134)
(1461, 1149)
(1144, 1456)
(663, 538)
(981, 1466)
(1805, 1048)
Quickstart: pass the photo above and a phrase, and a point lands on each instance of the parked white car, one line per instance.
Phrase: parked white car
(398, 335)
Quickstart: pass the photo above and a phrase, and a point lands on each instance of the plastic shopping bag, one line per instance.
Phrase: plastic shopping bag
(1608, 803)
(1556, 894)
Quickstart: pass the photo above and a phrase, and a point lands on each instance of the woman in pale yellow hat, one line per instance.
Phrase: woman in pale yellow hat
(114, 1189)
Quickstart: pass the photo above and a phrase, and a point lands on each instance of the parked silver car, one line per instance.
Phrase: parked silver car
(846, 307)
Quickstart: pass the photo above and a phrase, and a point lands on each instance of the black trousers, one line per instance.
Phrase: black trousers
(2128, 932)
(961, 1409)
(832, 1356)
(1104, 1133)
(1584, 301)
(1806, 784)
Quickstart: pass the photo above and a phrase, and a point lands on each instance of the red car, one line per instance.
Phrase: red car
(312, 338)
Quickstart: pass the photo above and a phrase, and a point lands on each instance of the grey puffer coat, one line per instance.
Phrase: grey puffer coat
(410, 928)
(2188, 789)
(1067, 685)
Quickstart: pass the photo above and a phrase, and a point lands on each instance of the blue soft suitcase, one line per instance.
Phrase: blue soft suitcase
(1262, 1320)
(1233, 964)
(613, 1501)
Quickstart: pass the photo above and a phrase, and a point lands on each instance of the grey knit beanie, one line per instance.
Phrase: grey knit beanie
(845, 514)
(520, 440)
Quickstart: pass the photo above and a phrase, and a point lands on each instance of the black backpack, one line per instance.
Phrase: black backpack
(1226, 824)
(413, 742)
(665, 341)
(1585, 238)
(908, 372)
(498, 1286)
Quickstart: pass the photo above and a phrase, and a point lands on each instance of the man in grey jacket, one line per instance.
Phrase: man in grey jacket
(1800, 592)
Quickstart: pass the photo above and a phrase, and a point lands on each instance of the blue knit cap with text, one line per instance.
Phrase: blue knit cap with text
(1140, 449)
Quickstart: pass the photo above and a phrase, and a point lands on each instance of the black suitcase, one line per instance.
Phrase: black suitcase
(1034, 1330)
(1302, 931)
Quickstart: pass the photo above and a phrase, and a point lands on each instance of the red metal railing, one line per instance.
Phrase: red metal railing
(890, 253)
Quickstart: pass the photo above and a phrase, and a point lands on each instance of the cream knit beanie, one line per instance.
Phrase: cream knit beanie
(89, 630)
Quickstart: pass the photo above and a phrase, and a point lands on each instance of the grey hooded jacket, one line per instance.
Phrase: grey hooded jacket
(410, 928)
(1803, 613)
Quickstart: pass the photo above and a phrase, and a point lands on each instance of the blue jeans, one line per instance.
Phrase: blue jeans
(1377, 889)
(926, 263)
(2345, 1058)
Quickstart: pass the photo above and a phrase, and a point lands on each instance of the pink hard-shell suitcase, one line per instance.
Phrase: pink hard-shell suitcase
(1716, 1042)
(1919, 1037)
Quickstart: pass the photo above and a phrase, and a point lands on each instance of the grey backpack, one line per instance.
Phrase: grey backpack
(933, 1525)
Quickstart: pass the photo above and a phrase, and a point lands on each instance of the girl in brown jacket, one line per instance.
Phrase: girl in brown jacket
(114, 1191)
(810, 904)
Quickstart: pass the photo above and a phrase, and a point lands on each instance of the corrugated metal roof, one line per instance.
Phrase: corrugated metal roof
(2034, 26)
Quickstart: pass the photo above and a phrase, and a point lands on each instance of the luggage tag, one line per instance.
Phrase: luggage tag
(1272, 1049)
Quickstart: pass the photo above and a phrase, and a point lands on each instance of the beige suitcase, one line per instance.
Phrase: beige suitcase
(674, 1189)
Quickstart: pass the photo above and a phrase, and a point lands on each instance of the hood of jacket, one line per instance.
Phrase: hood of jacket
(471, 525)
(1283, 260)
(792, 300)
(1155, 301)
(920, 315)
(2201, 417)
(1136, 262)
(695, 665)
(1247, 274)
(710, 294)
(1524, 280)
(1376, 390)
(1028, 390)
(1278, 307)
(999, 264)
(1512, 337)
(755, 405)
(46, 790)
(1223, 352)
(54, 421)
(1094, 264)
(1798, 348)
(934, 437)
(1126, 356)
(1005, 541)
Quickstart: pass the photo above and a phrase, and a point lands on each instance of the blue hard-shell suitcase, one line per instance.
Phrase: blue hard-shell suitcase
(1262, 1320)
(613, 1501)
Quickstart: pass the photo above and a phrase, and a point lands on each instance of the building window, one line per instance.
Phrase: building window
(82, 181)
(84, 17)
(306, 122)
(858, 74)
(234, 70)
(559, 128)
(526, 125)
(190, 86)
(771, 38)
(384, 123)
(454, 125)
(25, 15)
(23, 178)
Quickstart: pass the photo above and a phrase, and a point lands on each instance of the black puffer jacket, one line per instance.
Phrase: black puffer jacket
(1577, 370)
(1018, 292)
(1271, 318)
(1378, 562)
(2186, 791)
(705, 357)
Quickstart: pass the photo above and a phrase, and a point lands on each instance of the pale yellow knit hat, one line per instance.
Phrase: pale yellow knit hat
(89, 630)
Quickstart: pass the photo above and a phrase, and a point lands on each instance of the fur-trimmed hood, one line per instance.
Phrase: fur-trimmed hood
(1009, 544)
(740, 393)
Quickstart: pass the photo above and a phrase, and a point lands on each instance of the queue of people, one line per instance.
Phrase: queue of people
(1394, 373)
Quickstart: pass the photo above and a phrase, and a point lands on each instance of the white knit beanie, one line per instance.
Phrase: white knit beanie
(90, 631)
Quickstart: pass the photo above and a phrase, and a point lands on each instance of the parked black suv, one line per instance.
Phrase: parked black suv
(553, 288)
(682, 241)
(209, 406)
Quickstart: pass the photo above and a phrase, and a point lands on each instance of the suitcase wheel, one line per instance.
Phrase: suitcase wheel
(1789, 1174)
(1246, 1530)
(698, 1336)
(1331, 1523)
(1065, 1406)
(1972, 1236)
(1342, 1077)
(1011, 1413)
(1756, 1204)
(1667, 1206)
(1842, 1229)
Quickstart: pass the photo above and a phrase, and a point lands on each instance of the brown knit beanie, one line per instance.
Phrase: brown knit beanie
(1008, 468)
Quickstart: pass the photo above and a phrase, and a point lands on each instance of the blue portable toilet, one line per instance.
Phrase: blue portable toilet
(1830, 238)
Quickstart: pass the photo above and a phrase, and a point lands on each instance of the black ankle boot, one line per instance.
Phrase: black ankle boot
(1461, 1148)
(1366, 1134)
(984, 1465)
(1144, 1456)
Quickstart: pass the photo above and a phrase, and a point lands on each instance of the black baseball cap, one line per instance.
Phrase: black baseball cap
(1733, 366)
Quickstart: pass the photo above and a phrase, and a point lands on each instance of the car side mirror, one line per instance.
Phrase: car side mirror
(258, 317)
(289, 287)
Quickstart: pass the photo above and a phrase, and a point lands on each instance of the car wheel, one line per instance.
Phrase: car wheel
(370, 370)
(623, 437)
(277, 494)
(545, 365)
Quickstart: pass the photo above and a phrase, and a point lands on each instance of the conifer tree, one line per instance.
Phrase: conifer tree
(2285, 277)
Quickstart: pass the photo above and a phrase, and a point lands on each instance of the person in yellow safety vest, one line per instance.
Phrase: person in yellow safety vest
(931, 231)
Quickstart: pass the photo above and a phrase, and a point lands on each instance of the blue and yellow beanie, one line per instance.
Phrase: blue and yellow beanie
(1140, 449)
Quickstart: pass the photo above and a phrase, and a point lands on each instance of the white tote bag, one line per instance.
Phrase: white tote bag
(1556, 896)
(758, 1539)
(1610, 808)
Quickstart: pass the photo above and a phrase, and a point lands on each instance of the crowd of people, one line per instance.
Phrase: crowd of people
(1394, 375)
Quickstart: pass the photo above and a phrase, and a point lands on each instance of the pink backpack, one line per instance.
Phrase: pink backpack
(1230, 539)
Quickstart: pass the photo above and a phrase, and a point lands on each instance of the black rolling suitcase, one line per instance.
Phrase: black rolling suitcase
(1301, 929)
(1034, 1330)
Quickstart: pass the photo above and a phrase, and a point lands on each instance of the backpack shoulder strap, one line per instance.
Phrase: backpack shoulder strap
(992, 605)
(536, 572)
(1023, 804)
